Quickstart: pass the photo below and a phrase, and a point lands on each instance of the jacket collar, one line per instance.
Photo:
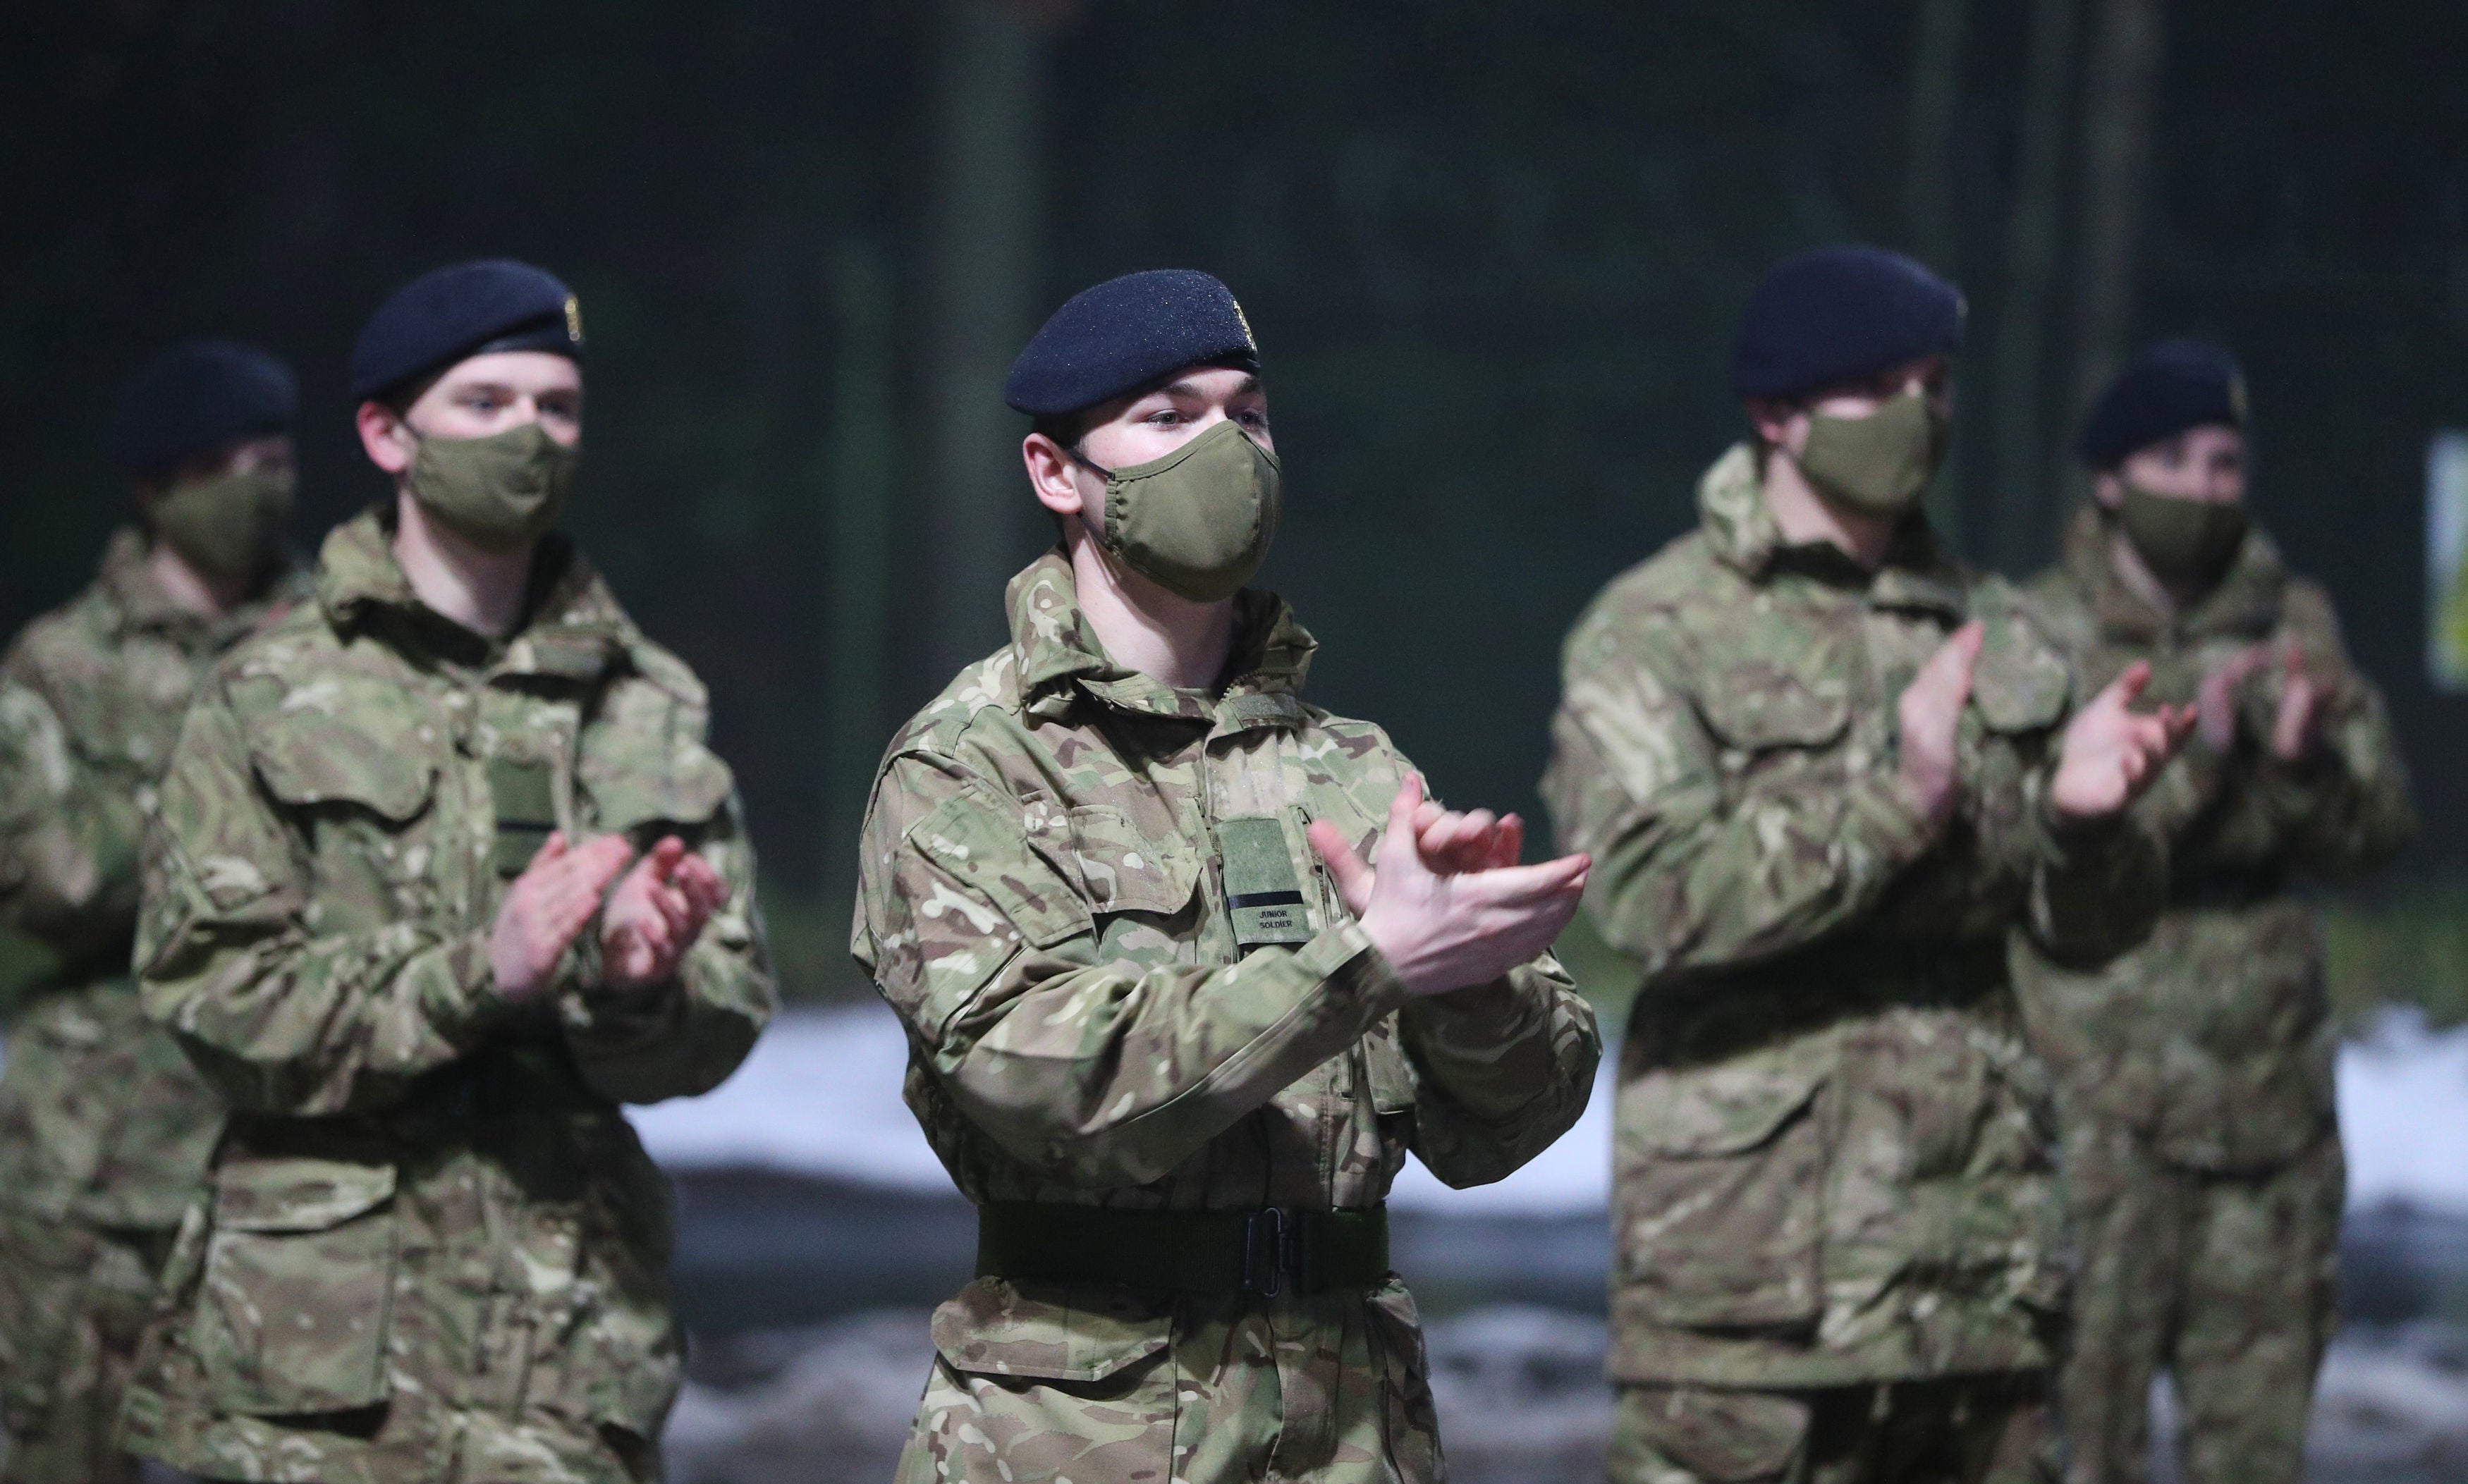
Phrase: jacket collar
(139, 603)
(1742, 532)
(574, 627)
(2245, 603)
(1058, 653)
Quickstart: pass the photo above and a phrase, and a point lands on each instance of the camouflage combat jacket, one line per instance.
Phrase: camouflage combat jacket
(1832, 1150)
(2214, 1040)
(1044, 903)
(434, 1249)
(101, 1120)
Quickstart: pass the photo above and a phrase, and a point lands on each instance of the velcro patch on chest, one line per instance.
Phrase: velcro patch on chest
(1263, 892)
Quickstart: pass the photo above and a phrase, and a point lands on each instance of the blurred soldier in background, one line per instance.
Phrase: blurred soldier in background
(104, 1127)
(2194, 1073)
(1173, 1057)
(1824, 771)
(388, 911)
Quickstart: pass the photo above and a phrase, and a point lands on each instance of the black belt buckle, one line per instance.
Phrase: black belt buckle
(1270, 1255)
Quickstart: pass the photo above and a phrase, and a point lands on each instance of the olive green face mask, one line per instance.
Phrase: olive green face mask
(2187, 543)
(1197, 522)
(226, 527)
(1879, 464)
(500, 493)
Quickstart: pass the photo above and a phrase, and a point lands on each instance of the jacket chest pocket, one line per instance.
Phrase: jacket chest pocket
(361, 791)
(293, 1301)
(1718, 1207)
(1784, 705)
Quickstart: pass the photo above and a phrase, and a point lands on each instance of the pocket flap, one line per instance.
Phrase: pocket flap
(2021, 683)
(687, 786)
(1771, 706)
(373, 759)
(1056, 1333)
(963, 837)
(297, 1194)
(1729, 1107)
(1122, 870)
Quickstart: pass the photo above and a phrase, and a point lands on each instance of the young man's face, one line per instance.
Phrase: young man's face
(1136, 429)
(2205, 464)
(1784, 425)
(484, 395)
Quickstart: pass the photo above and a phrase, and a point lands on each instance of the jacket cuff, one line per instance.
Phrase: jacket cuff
(1880, 823)
(1342, 956)
(457, 988)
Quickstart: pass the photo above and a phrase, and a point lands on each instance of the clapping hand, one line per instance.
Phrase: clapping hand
(656, 914)
(2110, 753)
(1444, 900)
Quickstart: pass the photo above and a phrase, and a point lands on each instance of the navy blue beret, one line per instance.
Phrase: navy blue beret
(1834, 314)
(1125, 333)
(458, 311)
(194, 399)
(2167, 388)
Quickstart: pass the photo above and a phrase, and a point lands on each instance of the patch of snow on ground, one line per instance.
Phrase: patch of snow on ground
(2404, 1115)
(820, 1095)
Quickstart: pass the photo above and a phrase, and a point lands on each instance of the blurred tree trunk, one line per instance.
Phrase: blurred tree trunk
(2121, 85)
(2020, 385)
(984, 244)
(1930, 222)
(858, 495)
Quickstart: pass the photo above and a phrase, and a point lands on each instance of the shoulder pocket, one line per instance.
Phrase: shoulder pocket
(994, 1327)
(642, 760)
(299, 1274)
(375, 759)
(966, 838)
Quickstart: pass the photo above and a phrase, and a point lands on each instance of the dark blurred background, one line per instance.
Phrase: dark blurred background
(1492, 254)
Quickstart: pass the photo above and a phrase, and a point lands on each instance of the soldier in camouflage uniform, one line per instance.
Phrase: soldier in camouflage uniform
(1824, 770)
(2194, 1073)
(388, 911)
(104, 1127)
(1174, 1060)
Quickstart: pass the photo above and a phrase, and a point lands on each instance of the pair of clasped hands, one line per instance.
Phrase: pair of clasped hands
(2109, 754)
(1443, 897)
(646, 924)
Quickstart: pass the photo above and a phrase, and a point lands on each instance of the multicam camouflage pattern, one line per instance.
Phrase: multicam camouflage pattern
(1969, 1430)
(1043, 901)
(434, 1250)
(2232, 1282)
(2194, 1073)
(104, 1127)
(1834, 1152)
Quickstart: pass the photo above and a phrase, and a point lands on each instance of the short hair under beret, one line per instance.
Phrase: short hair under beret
(454, 312)
(1834, 314)
(1124, 334)
(194, 399)
(2167, 387)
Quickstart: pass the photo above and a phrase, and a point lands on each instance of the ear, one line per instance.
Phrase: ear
(386, 438)
(1776, 421)
(1054, 475)
(2108, 490)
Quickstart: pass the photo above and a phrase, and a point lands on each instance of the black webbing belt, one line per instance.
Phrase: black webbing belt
(1269, 1252)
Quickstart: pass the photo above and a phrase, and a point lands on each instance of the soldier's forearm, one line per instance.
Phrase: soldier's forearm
(1772, 873)
(1097, 1078)
(1504, 1070)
